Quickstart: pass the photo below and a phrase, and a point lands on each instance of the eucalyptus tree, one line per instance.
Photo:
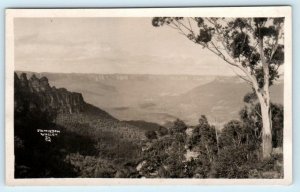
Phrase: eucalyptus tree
(253, 46)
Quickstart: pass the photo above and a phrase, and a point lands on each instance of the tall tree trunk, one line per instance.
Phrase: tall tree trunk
(264, 100)
(266, 131)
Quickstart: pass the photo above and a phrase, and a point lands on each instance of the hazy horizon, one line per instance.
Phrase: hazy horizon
(183, 74)
(200, 75)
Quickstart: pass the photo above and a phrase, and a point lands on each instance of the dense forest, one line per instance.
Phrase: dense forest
(92, 143)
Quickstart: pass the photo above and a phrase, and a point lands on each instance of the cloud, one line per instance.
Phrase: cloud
(108, 45)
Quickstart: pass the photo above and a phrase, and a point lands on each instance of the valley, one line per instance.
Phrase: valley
(137, 124)
(162, 98)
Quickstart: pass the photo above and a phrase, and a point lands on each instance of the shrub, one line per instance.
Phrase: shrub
(162, 131)
(151, 135)
(178, 127)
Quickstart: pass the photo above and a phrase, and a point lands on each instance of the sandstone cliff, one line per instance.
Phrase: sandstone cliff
(39, 94)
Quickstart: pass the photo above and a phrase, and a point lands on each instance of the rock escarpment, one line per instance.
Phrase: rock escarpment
(37, 93)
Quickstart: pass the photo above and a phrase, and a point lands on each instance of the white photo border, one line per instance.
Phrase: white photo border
(269, 11)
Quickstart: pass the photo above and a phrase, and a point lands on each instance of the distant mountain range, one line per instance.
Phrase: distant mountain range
(161, 98)
(220, 100)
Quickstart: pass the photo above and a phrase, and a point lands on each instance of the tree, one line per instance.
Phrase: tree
(254, 46)
(239, 149)
(178, 127)
(166, 155)
(203, 140)
(251, 117)
(236, 134)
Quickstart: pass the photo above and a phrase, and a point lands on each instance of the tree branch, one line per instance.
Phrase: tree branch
(216, 50)
(189, 29)
(190, 25)
(245, 79)
(276, 42)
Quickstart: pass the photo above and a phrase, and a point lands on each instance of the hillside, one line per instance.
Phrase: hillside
(69, 107)
(82, 130)
(220, 100)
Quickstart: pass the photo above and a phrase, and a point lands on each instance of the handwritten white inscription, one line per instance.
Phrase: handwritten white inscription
(48, 133)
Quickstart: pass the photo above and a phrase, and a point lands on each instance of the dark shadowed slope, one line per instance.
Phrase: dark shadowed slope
(68, 106)
(146, 126)
(85, 130)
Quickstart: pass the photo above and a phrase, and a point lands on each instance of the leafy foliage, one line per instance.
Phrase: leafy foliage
(164, 157)
(240, 143)
(151, 135)
(233, 152)
(178, 127)
(235, 134)
(251, 117)
(96, 167)
(239, 149)
(162, 131)
(203, 139)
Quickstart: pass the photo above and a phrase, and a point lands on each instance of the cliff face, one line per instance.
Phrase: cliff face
(36, 100)
(37, 93)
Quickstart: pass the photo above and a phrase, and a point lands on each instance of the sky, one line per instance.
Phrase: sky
(107, 46)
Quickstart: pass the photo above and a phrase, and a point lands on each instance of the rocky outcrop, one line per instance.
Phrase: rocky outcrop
(37, 93)
(37, 101)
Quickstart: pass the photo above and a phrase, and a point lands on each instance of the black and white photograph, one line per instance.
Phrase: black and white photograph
(194, 95)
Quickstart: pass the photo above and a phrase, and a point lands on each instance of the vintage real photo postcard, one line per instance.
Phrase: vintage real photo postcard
(149, 96)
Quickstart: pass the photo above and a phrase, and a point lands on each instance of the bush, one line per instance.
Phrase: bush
(250, 115)
(198, 168)
(239, 151)
(203, 139)
(233, 163)
(165, 156)
(162, 131)
(178, 127)
(236, 134)
(151, 135)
